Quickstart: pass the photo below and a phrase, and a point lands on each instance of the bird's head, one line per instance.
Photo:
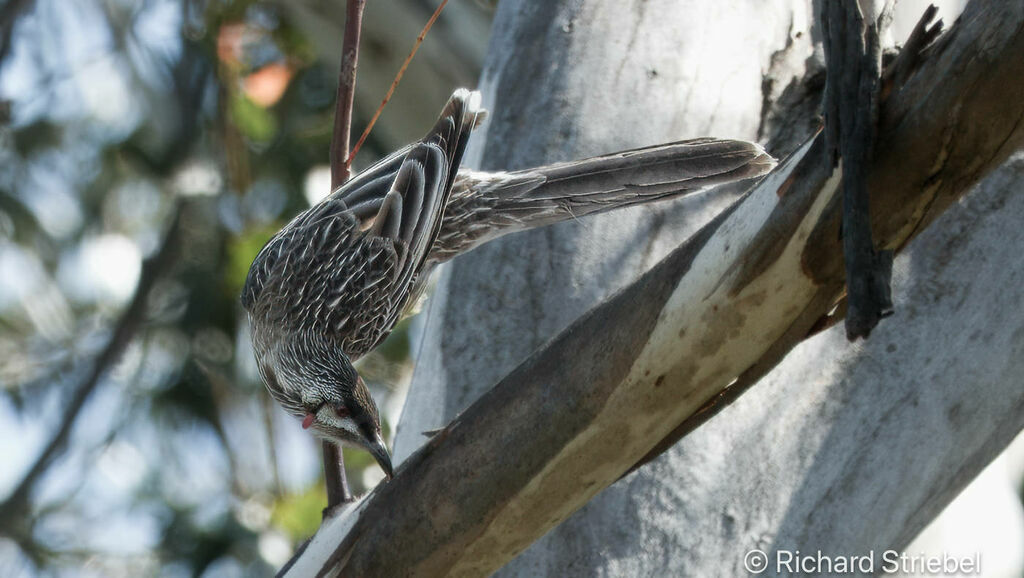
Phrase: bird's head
(332, 400)
(350, 419)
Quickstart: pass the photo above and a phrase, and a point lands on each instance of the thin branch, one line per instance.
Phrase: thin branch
(334, 464)
(16, 503)
(267, 414)
(394, 83)
(334, 477)
(346, 93)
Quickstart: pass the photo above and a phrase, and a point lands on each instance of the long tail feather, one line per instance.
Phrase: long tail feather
(484, 206)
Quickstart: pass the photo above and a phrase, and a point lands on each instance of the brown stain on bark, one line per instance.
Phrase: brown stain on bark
(801, 190)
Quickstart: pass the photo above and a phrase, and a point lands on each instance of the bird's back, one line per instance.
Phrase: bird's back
(344, 269)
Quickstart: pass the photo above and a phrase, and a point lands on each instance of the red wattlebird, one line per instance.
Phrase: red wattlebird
(333, 283)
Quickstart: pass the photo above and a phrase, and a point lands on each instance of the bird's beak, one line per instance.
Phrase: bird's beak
(379, 451)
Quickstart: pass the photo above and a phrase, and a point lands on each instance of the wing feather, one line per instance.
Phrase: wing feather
(347, 266)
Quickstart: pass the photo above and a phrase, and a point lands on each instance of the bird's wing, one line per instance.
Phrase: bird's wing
(345, 267)
(352, 203)
(413, 210)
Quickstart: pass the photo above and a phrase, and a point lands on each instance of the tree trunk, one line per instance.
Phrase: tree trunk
(842, 448)
(566, 80)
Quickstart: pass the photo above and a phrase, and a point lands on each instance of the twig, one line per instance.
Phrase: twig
(267, 411)
(334, 466)
(394, 83)
(346, 93)
(17, 502)
(334, 477)
(853, 61)
(341, 161)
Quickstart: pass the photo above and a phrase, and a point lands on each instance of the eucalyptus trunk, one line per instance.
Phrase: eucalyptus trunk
(843, 448)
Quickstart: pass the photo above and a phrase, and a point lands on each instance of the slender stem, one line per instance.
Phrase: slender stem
(334, 476)
(268, 424)
(394, 83)
(334, 466)
(346, 93)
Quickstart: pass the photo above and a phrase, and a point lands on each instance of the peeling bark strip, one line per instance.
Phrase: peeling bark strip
(853, 61)
(580, 412)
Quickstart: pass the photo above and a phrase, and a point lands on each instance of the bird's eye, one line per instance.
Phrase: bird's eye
(341, 411)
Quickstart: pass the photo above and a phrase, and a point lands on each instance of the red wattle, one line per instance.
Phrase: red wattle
(308, 420)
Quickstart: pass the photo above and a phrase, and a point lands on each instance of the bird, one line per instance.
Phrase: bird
(333, 282)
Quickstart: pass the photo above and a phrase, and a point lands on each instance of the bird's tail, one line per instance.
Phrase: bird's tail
(484, 206)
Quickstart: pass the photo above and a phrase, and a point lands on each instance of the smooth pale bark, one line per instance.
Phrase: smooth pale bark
(822, 466)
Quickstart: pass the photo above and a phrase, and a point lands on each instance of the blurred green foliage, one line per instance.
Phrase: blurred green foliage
(253, 121)
(242, 249)
(298, 515)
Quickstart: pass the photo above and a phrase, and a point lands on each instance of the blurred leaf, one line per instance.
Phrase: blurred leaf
(218, 13)
(190, 397)
(357, 460)
(242, 250)
(37, 136)
(23, 221)
(256, 123)
(200, 547)
(265, 86)
(298, 515)
(396, 347)
(295, 43)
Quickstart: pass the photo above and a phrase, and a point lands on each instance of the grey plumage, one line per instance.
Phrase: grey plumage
(332, 283)
(485, 206)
